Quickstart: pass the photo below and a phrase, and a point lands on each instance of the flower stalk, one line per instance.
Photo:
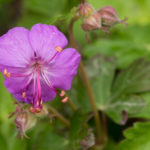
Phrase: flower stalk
(59, 116)
(86, 82)
(72, 105)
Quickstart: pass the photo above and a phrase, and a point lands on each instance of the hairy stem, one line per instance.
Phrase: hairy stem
(59, 116)
(86, 82)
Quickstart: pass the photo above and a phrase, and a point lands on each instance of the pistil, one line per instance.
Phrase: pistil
(39, 87)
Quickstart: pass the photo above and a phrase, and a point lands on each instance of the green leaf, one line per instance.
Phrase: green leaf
(6, 107)
(48, 7)
(134, 79)
(137, 137)
(130, 104)
(79, 131)
(144, 113)
(129, 82)
(114, 95)
(45, 136)
(16, 143)
(47, 12)
(101, 71)
(31, 18)
(51, 140)
(3, 143)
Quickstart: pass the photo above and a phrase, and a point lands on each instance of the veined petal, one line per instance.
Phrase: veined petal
(18, 80)
(15, 49)
(44, 40)
(64, 68)
(29, 94)
(47, 93)
(19, 97)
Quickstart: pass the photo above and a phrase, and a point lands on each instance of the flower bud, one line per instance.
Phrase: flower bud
(92, 22)
(85, 9)
(21, 120)
(109, 17)
(24, 120)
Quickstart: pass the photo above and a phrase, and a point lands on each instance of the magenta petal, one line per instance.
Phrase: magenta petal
(15, 49)
(29, 94)
(16, 84)
(44, 39)
(64, 68)
(26, 100)
(46, 95)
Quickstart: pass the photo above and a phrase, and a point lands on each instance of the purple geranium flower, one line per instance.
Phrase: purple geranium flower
(35, 65)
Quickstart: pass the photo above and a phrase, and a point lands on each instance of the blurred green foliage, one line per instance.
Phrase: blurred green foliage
(111, 67)
(137, 138)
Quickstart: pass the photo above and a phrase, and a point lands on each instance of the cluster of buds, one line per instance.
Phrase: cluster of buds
(103, 19)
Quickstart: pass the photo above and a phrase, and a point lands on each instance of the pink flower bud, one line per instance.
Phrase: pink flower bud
(85, 9)
(92, 22)
(109, 17)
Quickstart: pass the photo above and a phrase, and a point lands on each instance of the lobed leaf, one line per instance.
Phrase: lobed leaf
(137, 137)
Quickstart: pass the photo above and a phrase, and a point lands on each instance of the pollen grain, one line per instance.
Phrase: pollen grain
(58, 48)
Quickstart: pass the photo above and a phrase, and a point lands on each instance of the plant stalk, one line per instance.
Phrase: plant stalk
(86, 82)
(59, 116)
(74, 108)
